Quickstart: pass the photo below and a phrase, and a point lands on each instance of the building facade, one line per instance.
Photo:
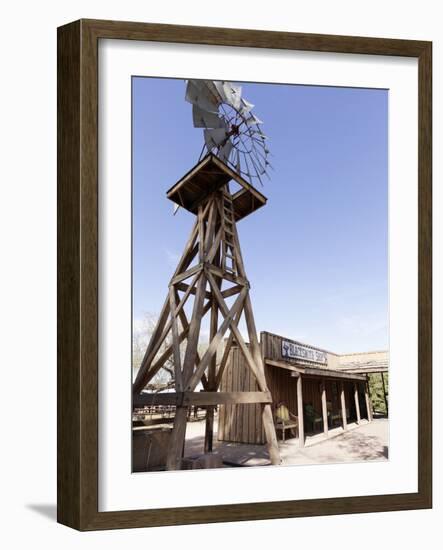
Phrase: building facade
(320, 389)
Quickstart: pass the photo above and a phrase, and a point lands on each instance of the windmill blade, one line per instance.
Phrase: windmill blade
(256, 161)
(252, 119)
(225, 151)
(258, 173)
(216, 88)
(205, 119)
(215, 137)
(258, 132)
(260, 150)
(198, 93)
(233, 94)
(245, 107)
(259, 138)
(247, 170)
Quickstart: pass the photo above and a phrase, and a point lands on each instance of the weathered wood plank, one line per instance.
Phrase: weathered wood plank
(343, 406)
(189, 252)
(175, 341)
(194, 331)
(186, 274)
(357, 403)
(185, 323)
(223, 274)
(324, 408)
(215, 342)
(283, 365)
(301, 423)
(215, 246)
(227, 293)
(227, 349)
(209, 422)
(175, 452)
(210, 228)
(271, 436)
(237, 335)
(189, 289)
(203, 398)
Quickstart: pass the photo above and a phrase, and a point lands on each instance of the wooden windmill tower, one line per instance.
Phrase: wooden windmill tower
(210, 272)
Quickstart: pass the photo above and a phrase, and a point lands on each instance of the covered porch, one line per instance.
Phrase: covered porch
(323, 402)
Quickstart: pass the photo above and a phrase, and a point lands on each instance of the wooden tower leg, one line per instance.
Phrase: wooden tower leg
(179, 430)
(173, 461)
(210, 410)
(271, 436)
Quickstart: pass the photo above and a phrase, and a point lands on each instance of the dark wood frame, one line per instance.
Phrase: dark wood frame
(77, 458)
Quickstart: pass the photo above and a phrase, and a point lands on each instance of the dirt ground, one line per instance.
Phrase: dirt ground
(367, 441)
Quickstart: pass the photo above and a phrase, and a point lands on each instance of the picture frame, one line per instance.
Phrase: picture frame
(77, 275)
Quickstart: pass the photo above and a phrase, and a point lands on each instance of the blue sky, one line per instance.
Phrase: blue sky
(316, 254)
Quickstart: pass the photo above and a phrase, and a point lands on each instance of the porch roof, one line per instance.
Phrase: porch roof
(314, 370)
(361, 367)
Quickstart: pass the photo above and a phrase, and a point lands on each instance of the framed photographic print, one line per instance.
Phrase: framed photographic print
(244, 275)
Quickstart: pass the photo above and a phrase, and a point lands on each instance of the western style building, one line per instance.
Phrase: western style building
(320, 389)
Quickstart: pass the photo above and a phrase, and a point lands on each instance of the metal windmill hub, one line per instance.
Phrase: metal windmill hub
(231, 131)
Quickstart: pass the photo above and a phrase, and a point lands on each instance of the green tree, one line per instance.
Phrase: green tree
(376, 391)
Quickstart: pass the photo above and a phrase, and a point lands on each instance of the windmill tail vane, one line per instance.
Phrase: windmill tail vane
(231, 130)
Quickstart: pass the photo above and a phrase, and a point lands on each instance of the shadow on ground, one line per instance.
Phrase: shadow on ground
(362, 446)
(48, 511)
(361, 443)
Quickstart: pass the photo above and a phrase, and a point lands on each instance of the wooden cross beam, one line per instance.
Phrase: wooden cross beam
(188, 398)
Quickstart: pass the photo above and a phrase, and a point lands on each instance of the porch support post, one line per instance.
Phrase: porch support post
(357, 402)
(301, 426)
(368, 401)
(343, 406)
(324, 407)
(384, 393)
